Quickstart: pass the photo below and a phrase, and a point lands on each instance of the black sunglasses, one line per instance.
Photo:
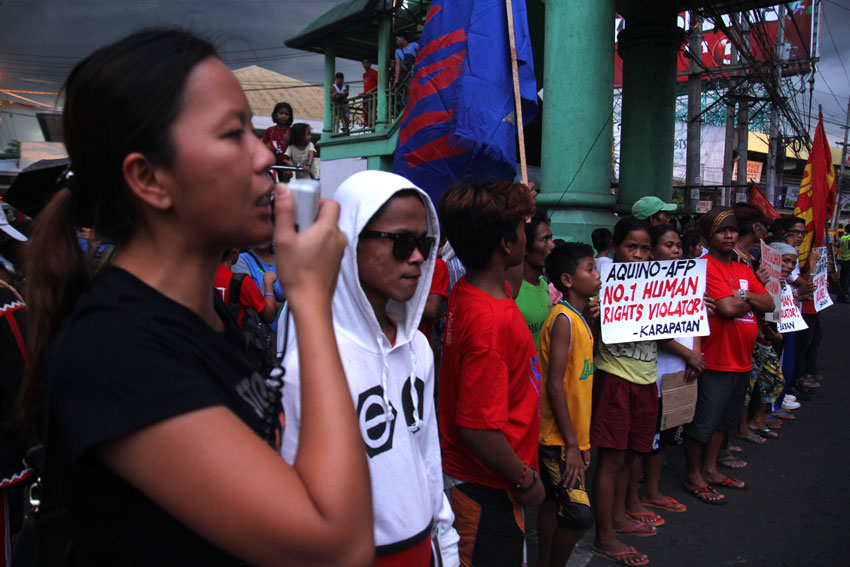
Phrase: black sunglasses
(403, 244)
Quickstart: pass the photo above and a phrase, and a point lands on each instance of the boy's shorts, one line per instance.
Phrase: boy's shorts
(490, 525)
(624, 413)
(573, 506)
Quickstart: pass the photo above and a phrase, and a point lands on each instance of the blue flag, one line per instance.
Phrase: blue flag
(460, 121)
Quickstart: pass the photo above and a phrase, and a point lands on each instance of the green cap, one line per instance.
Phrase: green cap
(645, 207)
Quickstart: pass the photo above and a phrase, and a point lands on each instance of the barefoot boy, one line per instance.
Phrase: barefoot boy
(566, 365)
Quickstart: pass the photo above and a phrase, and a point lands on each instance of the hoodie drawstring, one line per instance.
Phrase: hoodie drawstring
(414, 394)
(388, 412)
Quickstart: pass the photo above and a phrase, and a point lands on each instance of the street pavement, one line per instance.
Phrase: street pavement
(796, 511)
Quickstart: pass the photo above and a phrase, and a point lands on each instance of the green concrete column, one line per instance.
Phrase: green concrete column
(384, 29)
(648, 45)
(577, 131)
(330, 71)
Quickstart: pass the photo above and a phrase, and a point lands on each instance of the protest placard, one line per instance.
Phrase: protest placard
(653, 300)
(772, 261)
(822, 299)
(791, 319)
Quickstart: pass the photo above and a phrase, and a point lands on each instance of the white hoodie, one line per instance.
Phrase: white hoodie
(398, 422)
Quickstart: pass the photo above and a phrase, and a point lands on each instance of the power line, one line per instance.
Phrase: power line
(756, 66)
(829, 88)
(838, 5)
(840, 60)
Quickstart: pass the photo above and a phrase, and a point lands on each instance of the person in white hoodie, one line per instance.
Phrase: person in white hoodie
(384, 280)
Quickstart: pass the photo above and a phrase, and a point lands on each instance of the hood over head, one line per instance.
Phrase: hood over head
(360, 196)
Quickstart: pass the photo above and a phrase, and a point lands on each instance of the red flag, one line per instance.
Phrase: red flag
(817, 194)
(758, 199)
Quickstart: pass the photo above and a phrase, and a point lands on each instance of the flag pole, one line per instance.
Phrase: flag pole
(517, 99)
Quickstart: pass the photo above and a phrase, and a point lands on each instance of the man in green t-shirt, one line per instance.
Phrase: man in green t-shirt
(533, 298)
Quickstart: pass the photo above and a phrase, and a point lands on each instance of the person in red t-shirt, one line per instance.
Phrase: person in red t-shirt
(490, 379)
(370, 83)
(438, 292)
(728, 354)
(249, 294)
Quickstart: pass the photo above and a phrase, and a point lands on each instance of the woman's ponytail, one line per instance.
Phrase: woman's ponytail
(57, 274)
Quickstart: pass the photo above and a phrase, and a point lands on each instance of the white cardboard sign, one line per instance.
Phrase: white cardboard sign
(822, 299)
(792, 319)
(652, 300)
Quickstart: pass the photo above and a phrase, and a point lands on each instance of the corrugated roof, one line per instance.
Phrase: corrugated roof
(265, 88)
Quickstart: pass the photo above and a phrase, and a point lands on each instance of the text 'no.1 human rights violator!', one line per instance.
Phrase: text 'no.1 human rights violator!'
(653, 300)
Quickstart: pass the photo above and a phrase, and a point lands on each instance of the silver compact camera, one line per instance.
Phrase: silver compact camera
(305, 193)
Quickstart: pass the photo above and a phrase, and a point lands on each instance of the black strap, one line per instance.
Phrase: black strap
(233, 294)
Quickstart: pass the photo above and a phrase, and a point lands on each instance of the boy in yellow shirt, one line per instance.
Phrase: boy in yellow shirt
(566, 365)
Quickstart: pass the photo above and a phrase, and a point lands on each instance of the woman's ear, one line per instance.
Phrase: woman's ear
(145, 181)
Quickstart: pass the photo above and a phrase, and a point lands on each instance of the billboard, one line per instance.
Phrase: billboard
(717, 49)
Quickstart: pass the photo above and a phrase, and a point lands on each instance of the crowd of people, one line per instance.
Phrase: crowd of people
(609, 396)
(441, 370)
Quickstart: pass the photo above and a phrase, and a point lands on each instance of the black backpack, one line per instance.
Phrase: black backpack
(260, 341)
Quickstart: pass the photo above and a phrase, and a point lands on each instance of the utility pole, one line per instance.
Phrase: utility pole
(743, 120)
(773, 147)
(728, 149)
(842, 170)
(692, 167)
(725, 198)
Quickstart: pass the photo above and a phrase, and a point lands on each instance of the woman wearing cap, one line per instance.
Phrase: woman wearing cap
(158, 430)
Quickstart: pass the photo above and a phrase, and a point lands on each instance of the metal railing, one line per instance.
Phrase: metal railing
(363, 109)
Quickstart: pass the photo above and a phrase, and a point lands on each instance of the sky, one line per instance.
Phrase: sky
(832, 80)
(41, 39)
